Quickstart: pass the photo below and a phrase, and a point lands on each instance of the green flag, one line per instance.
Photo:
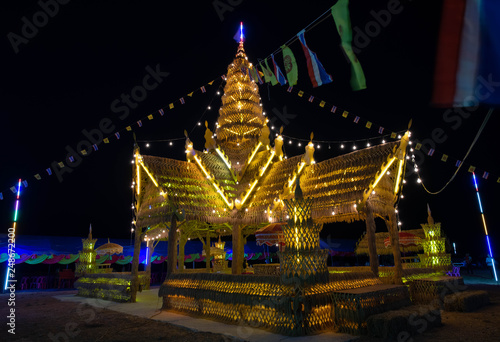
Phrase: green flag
(269, 74)
(340, 13)
(292, 73)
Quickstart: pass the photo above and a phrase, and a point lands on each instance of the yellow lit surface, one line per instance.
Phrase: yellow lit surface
(149, 174)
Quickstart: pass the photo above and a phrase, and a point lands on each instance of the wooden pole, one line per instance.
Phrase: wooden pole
(236, 264)
(392, 227)
(135, 266)
(370, 236)
(180, 259)
(207, 251)
(172, 245)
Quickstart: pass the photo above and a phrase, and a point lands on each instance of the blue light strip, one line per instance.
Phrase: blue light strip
(14, 226)
(484, 225)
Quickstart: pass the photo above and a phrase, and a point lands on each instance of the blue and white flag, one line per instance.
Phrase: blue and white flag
(277, 72)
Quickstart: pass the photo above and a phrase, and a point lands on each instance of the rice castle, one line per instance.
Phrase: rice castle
(239, 182)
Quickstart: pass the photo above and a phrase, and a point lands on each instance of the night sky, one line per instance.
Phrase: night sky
(68, 77)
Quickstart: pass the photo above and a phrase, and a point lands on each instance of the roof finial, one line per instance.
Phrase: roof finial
(239, 36)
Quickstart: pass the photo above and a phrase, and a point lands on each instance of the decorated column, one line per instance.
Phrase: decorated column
(370, 235)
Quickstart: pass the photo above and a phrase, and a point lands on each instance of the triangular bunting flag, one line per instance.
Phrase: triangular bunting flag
(190, 94)
(210, 83)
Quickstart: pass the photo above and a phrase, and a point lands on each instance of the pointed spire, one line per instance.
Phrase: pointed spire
(430, 220)
(90, 232)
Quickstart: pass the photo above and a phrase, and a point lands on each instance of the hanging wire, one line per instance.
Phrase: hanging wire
(490, 111)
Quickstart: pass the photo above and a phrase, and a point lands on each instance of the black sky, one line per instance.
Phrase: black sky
(66, 77)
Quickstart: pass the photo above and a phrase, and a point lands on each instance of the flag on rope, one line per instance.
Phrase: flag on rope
(311, 98)
(71, 159)
(171, 106)
(83, 152)
(49, 171)
(444, 158)
(345, 113)
(322, 104)
(249, 73)
(431, 152)
(61, 164)
(95, 147)
(393, 135)
(334, 109)
(117, 135)
(277, 72)
(341, 16)
(1, 196)
(471, 168)
(128, 128)
(457, 164)
(182, 100)
(292, 72)
(25, 183)
(417, 146)
(468, 54)
(203, 90)
(317, 73)
(380, 130)
(190, 94)
(13, 189)
(300, 93)
(38, 177)
(289, 89)
(106, 140)
(211, 82)
(485, 175)
(269, 73)
(150, 116)
(368, 124)
(356, 119)
(139, 123)
(239, 37)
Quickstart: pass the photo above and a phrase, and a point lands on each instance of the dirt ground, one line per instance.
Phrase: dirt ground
(40, 317)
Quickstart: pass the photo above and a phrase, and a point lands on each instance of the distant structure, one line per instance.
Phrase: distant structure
(434, 255)
(87, 262)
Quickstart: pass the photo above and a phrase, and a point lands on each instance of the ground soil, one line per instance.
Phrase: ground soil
(41, 317)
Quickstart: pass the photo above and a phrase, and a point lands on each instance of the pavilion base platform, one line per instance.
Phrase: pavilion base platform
(432, 290)
(113, 286)
(282, 305)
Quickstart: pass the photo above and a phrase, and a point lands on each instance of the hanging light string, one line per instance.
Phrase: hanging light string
(490, 111)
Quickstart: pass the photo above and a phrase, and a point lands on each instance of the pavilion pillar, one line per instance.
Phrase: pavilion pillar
(242, 250)
(237, 263)
(207, 251)
(180, 258)
(172, 246)
(392, 227)
(135, 265)
(370, 235)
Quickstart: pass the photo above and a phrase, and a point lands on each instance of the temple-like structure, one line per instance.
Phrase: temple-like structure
(240, 182)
